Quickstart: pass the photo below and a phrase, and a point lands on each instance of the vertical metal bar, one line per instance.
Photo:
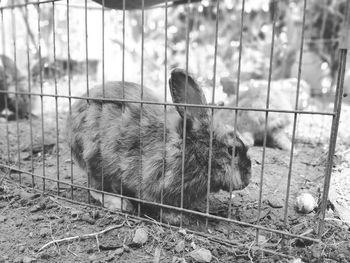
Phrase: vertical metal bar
(86, 51)
(103, 48)
(41, 97)
(141, 97)
(30, 96)
(14, 43)
(56, 99)
(123, 90)
(236, 104)
(87, 83)
(70, 101)
(295, 117)
(212, 110)
(103, 87)
(165, 106)
(185, 109)
(266, 116)
(343, 50)
(6, 86)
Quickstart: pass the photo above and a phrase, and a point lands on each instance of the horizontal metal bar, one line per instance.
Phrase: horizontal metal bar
(167, 206)
(26, 4)
(170, 104)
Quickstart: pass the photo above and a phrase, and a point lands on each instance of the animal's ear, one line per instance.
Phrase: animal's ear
(189, 94)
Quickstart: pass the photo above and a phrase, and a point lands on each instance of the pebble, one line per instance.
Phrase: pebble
(275, 203)
(305, 203)
(193, 245)
(75, 213)
(21, 249)
(140, 236)
(3, 219)
(119, 251)
(201, 255)
(180, 246)
(182, 231)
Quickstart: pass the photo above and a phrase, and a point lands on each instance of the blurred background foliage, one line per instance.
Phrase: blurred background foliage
(37, 25)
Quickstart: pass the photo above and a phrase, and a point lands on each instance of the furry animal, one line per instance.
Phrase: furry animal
(108, 137)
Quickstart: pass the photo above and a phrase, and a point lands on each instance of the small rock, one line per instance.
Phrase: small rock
(140, 236)
(275, 203)
(180, 246)
(75, 213)
(305, 203)
(28, 260)
(21, 249)
(88, 219)
(201, 255)
(119, 251)
(182, 231)
(18, 260)
(3, 219)
(37, 218)
(193, 245)
(44, 232)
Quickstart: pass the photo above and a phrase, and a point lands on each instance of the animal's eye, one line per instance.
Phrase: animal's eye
(230, 148)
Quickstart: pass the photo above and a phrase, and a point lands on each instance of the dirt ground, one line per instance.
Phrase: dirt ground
(29, 219)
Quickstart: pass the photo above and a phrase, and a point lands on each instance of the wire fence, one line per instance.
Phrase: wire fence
(108, 180)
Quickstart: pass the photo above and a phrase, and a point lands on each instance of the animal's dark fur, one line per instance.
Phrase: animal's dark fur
(102, 136)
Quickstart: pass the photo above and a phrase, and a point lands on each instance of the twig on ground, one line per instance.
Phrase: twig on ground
(249, 249)
(72, 252)
(98, 243)
(57, 241)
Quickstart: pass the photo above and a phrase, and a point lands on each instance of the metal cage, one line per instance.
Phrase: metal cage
(51, 174)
